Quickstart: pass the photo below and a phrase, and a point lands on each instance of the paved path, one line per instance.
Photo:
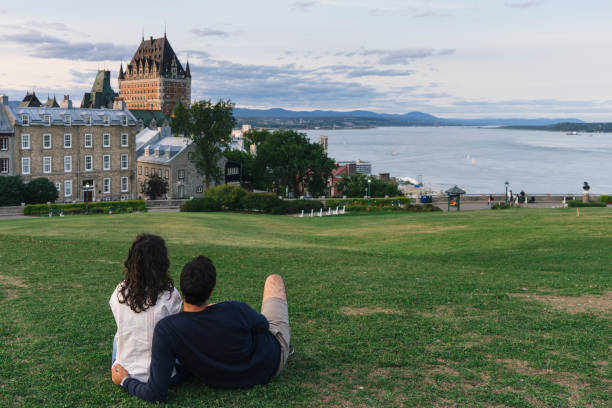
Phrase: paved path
(482, 205)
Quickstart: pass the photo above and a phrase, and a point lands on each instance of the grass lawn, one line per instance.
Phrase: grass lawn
(488, 308)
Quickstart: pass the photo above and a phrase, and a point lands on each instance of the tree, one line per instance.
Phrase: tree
(154, 186)
(210, 127)
(255, 137)
(39, 191)
(356, 185)
(287, 159)
(11, 190)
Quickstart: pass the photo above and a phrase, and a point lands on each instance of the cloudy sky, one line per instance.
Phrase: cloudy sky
(451, 58)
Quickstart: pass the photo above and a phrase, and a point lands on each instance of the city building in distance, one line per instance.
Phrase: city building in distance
(155, 79)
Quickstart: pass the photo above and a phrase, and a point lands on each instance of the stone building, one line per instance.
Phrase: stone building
(155, 79)
(7, 140)
(87, 153)
(170, 157)
(102, 94)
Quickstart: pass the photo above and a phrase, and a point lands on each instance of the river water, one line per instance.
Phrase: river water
(480, 160)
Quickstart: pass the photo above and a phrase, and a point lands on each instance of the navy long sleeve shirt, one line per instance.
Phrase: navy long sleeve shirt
(227, 345)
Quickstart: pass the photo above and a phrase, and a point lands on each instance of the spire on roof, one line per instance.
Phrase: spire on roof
(30, 101)
(121, 74)
(51, 103)
(187, 70)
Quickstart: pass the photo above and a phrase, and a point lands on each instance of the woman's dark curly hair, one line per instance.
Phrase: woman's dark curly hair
(146, 273)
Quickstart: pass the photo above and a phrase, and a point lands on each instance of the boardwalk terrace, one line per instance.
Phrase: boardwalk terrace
(74, 148)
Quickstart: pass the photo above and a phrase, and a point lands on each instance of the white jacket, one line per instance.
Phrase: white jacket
(135, 330)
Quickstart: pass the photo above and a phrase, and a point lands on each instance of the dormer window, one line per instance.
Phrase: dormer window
(25, 120)
(106, 120)
(87, 120)
(47, 120)
(124, 120)
(67, 120)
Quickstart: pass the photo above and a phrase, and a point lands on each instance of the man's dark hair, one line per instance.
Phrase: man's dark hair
(146, 273)
(198, 278)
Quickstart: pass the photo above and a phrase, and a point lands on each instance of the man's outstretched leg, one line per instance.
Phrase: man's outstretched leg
(274, 307)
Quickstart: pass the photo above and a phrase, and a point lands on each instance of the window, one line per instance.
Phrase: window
(190, 155)
(58, 187)
(124, 140)
(25, 120)
(47, 120)
(3, 143)
(159, 172)
(124, 161)
(67, 120)
(106, 140)
(124, 121)
(146, 171)
(88, 162)
(140, 170)
(106, 162)
(167, 173)
(124, 185)
(87, 120)
(47, 141)
(25, 141)
(67, 141)
(106, 186)
(67, 164)
(106, 120)
(88, 140)
(181, 174)
(4, 167)
(25, 165)
(47, 164)
(67, 188)
(199, 189)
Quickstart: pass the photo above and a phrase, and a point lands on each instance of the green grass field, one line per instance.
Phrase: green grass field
(489, 308)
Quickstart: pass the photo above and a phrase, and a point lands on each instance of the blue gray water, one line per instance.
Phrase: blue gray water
(480, 160)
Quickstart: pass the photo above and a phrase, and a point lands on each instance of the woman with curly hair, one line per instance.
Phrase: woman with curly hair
(145, 296)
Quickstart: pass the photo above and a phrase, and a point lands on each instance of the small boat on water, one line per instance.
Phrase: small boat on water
(572, 133)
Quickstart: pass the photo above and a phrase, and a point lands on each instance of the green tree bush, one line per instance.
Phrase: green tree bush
(210, 127)
(229, 196)
(11, 190)
(288, 160)
(578, 203)
(40, 190)
(263, 202)
(203, 204)
(356, 185)
(154, 186)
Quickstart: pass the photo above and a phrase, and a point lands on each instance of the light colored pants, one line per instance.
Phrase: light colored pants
(276, 311)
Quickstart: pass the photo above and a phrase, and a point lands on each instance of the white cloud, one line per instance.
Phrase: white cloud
(304, 5)
(524, 4)
(208, 32)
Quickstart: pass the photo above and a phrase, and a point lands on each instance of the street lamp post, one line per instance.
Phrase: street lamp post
(87, 189)
(506, 196)
(369, 182)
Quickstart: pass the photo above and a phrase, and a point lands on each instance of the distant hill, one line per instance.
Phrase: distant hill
(570, 127)
(278, 117)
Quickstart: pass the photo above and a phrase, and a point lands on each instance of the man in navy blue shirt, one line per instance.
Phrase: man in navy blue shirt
(227, 345)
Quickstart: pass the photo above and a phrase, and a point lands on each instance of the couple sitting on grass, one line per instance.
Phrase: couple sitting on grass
(226, 345)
